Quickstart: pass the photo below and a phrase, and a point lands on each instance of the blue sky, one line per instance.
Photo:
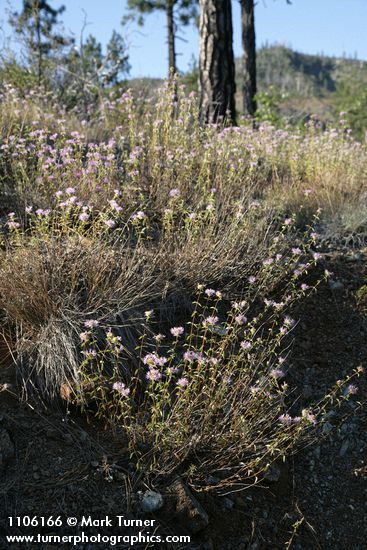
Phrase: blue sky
(332, 27)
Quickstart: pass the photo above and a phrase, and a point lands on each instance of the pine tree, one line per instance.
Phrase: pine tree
(178, 12)
(36, 24)
(216, 62)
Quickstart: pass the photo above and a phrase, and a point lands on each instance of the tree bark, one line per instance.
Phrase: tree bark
(171, 38)
(249, 57)
(216, 63)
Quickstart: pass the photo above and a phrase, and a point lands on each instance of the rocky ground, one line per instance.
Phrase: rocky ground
(57, 464)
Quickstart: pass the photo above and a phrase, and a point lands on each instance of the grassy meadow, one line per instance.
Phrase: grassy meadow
(150, 270)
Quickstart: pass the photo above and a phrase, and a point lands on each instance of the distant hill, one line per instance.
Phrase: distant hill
(306, 84)
(303, 74)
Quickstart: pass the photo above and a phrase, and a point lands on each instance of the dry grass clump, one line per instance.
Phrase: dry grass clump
(49, 287)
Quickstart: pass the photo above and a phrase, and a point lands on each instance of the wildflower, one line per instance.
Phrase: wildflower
(84, 336)
(148, 314)
(91, 323)
(172, 370)
(316, 256)
(285, 419)
(240, 319)
(59, 194)
(327, 273)
(219, 295)
(153, 375)
(121, 388)
(268, 261)
(159, 337)
(277, 373)
(182, 382)
(177, 331)
(252, 279)
(174, 193)
(191, 356)
(89, 353)
(152, 359)
(114, 204)
(307, 192)
(140, 215)
(210, 292)
(296, 251)
(84, 217)
(110, 223)
(351, 389)
(288, 221)
(28, 209)
(192, 216)
(41, 212)
(304, 287)
(12, 225)
(288, 321)
(246, 345)
(309, 416)
(211, 320)
(210, 207)
(70, 190)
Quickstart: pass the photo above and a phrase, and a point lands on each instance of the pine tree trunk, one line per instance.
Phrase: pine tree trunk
(171, 38)
(216, 63)
(249, 57)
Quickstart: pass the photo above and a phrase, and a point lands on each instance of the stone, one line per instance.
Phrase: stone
(273, 473)
(187, 509)
(7, 450)
(327, 427)
(151, 501)
(344, 447)
(336, 286)
(228, 503)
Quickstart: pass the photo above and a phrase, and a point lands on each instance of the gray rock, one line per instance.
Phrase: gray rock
(327, 427)
(187, 509)
(273, 473)
(228, 503)
(151, 501)
(336, 286)
(344, 447)
(7, 450)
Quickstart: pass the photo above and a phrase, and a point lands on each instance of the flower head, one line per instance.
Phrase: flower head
(211, 320)
(240, 319)
(153, 375)
(277, 373)
(91, 323)
(246, 345)
(177, 331)
(110, 223)
(121, 388)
